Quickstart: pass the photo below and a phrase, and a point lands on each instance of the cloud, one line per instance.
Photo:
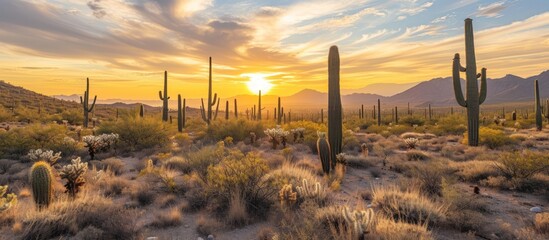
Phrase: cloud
(418, 9)
(492, 10)
(97, 10)
(366, 37)
(441, 19)
(341, 21)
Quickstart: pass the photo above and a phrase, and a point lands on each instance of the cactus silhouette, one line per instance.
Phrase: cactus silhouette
(141, 111)
(335, 133)
(41, 178)
(164, 98)
(207, 111)
(85, 106)
(180, 113)
(474, 99)
(539, 118)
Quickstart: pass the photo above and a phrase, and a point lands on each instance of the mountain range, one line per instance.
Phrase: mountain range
(437, 92)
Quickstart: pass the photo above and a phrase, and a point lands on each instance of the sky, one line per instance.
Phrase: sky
(123, 46)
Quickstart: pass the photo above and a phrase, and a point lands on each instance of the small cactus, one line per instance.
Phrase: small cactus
(358, 221)
(277, 136)
(74, 174)
(6, 201)
(41, 178)
(315, 191)
(411, 143)
(44, 155)
(324, 152)
(286, 195)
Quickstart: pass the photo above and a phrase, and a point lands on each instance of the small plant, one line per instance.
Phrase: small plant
(253, 137)
(416, 155)
(287, 196)
(99, 143)
(298, 134)
(6, 201)
(41, 178)
(411, 143)
(364, 149)
(359, 221)
(44, 155)
(74, 174)
(341, 158)
(165, 175)
(522, 165)
(324, 152)
(277, 136)
(315, 192)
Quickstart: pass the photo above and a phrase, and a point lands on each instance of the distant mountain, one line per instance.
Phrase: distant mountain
(383, 89)
(15, 97)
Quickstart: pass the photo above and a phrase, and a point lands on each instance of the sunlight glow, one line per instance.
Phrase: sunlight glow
(258, 82)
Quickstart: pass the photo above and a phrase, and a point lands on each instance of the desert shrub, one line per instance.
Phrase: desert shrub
(412, 120)
(240, 174)
(206, 226)
(169, 218)
(359, 162)
(450, 125)
(238, 129)
(310, 133)
(474, 171)
(200, 160)
(144, 195)
(522, 165)
(237, 214)
(137, 133)
(289, 174)
(73, 116)
(389, 229)
(430, 177)
(415, 155)
(115, 165)
(350, 141)
(19, 141)
(492, 138)
(113, 185)
(541, 222)
(466, 210)
(68, 217)
(408, 205)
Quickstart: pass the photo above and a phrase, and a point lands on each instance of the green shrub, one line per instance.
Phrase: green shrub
(18, 141)
(450, 125)
(522, 165)
(412, 120)
(492, 138)
(238, 129)
(137, 133)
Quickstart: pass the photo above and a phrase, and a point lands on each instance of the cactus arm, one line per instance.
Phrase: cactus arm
(457, 81)
(160, 95)
(483, 87)
(203, 110)
(216, 110)
(81, 101)
(93, 104)
(214, 100)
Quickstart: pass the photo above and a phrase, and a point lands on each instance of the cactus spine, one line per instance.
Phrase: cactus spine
(539, 118)
(164, 98)
(335, 133)
(86, 107)
(474, 99)
(41, 178)
(324, 152)
(207, 111)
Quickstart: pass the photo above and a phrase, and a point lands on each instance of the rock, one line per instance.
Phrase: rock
(476, 190)
(535, 209)
(199, 238)
(210, 237)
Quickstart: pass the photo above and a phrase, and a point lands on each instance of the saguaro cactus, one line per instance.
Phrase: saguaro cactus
(539, 118)
(164, 98)
(41, 178)
(474, 99)
(180, 114)
(227, 110)
(85, 106)
(207, 112)
(141, 111)
(235, 109)
(335, 133)
(279, 113)
(378, 112)
(259, 107)
(323, 149)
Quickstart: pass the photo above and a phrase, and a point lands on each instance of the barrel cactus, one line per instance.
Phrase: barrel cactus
(41, 178)
(324, 152)
(335, 133)
(474, 99)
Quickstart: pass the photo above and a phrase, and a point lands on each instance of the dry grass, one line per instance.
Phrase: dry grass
(115, 165)
(65, 217)
(415, 155)
(541, 222)
(290, 174)
(206, 225)
(169, 218)
(408, 205)
(388, 229)
(474, 171)
(237, 215)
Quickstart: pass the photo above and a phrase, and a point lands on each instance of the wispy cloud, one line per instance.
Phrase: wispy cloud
(417, 9)
(492, 10)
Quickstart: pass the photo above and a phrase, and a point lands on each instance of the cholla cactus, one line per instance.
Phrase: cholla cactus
(44, 155)
(276, 136)
(411, 143)
(364, 148)
(253, 137)
(358, 221)
(6, 201)
(287, 196)
(74, 174)
(99, 143)
(298, 134)
(315, 192)
(341, 159)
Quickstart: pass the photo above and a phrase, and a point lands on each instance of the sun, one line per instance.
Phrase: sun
(258, 82)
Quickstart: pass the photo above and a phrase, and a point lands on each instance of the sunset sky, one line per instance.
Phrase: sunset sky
(123, 46)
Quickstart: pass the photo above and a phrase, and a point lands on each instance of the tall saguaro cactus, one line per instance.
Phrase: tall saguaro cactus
(207, 112)
(279, 113)
(85, 106)
(235, 109)
(474, 99)
(259, 107)
(539, 118)
(227, 110)
(164, 98)
(335, 133)
(378, 112)
(180, 114)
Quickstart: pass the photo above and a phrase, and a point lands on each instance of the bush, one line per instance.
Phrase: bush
(200, 160)
(412, 120)
(541, 222)
(19, 141)
(491, 138)
(240, 174)
(408, 205)
(238, 129)
(388, 229)
(522, 165)
(137, 133)
(450, 125)
(415, 155)
(169, 218)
